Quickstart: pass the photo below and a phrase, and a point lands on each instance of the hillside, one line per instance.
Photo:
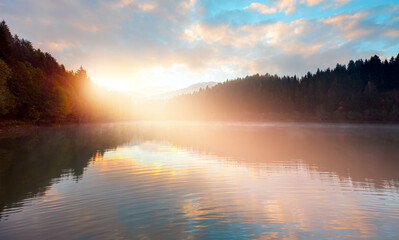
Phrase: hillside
(35, 87)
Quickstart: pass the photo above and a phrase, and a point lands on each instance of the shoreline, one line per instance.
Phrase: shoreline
(18, 124)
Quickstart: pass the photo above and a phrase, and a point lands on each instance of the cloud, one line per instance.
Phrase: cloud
(122, 3)
(55, 47)
(301, 36)
(202, 39)
(290, 63)
(311, 2)
(316, 2)
(87, 26)
(147, 6)
(342, 1)
(289, 6)
(144, 6)
(349, 24)
(392, 33)
(286, 6)
(261, 8)
(295, 47)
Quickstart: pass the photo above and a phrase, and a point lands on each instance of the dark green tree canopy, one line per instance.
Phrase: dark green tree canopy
(33, 86)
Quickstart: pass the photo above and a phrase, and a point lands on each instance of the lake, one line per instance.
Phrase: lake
(192, 180)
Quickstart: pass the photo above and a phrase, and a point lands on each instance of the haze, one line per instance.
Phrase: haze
(150, 47)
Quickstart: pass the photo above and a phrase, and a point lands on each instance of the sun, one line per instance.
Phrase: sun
(120, 85)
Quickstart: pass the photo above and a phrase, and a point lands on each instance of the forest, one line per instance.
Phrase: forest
(35, 88)
(363, 90)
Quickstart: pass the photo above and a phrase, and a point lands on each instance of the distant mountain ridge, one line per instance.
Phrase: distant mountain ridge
(190, 89)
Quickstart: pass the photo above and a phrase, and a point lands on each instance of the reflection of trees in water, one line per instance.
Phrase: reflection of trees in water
(31, 159)
(359, 153)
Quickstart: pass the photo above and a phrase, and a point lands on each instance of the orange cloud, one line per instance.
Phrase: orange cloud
(349, 24)
(312, 2)
(122, 3)
(287, 36)
(146, 6)
(286, 6)
(261, 8)
(54, 46)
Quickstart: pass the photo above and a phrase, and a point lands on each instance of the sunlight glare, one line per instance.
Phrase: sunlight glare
(120, 85)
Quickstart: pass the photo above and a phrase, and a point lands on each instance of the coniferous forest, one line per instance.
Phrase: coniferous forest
(366, 91)
(34, 87)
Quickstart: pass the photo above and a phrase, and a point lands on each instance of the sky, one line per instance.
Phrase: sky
(151, 46)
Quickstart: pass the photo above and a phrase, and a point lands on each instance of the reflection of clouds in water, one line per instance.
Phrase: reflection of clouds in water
(209, 181)
(291, 194)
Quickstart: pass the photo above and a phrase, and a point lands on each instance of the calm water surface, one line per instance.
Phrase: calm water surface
(201, 181)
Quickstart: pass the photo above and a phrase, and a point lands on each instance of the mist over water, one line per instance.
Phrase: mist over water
(180, 180)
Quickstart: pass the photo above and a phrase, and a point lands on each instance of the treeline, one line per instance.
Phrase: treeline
(359, 91)
(35, 88)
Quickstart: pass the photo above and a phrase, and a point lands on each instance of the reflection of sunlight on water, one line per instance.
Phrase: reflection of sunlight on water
(285, 196)
(207, 182)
